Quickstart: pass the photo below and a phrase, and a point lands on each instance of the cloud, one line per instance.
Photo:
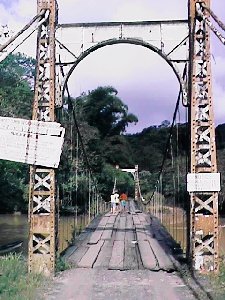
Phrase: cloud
(151, 10)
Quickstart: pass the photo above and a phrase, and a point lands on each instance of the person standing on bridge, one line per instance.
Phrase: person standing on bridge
(117, 200)
(123, 201)
(113, 202)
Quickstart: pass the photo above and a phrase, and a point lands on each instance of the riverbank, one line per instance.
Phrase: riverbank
(15, 282)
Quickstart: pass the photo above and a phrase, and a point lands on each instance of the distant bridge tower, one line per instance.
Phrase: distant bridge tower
(42, 234)
(136, 185)
(203, 165)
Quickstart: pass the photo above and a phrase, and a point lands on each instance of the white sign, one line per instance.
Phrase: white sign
(128, 170)
(30, 141)
(203, 182)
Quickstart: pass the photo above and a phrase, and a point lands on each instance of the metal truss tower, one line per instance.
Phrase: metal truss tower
(136, 184)
(42, 208)
(204, 200)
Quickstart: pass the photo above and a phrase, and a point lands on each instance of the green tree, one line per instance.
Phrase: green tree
(16, 95)
(106, 179)
(104, 110)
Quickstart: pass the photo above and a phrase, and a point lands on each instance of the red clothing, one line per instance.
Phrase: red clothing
(123, 197)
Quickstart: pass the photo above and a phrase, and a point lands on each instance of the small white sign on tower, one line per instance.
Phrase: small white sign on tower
(203, 182)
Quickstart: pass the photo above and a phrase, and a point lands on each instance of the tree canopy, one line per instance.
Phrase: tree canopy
(104, 110)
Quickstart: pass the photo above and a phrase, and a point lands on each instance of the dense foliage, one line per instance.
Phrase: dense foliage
(16, 96)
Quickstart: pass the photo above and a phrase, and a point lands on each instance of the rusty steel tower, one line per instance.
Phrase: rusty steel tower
(42, 204)
(203, 165)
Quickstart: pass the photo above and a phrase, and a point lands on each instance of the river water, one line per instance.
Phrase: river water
(15, 227)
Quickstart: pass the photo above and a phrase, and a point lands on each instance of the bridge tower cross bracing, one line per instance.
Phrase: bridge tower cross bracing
(42, 204)
(204, 204)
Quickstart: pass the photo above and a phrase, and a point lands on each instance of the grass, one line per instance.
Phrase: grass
(61, 265)
(15, 282)
(218, 281)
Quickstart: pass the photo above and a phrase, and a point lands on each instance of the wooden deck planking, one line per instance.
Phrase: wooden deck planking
(164, 261)
(88, 260)
(96, 236)
(142, 218)
(77, 255)
(111, 219)
(117, 258)
(108, 214)
(130, 253)
(124, 241)
(104, 255)
(140, 233)
(120, 231)
(147, 256)
(136, 220)
(129, 223)
(103, 221)
(107, 232)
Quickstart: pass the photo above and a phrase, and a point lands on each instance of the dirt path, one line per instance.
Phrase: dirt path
(99, 284)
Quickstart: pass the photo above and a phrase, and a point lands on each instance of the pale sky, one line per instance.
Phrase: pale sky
(144, 81)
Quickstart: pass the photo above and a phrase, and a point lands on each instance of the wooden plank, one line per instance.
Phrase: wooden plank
(123, 221)
(164, 261)
(120, 232)
(136, 220)
(130, 253)
(147, 256)
(130, 256)
(108, 214)
(142, 219)
(129, 223)
(140, 232)
(88, 260)
(116, 261)
(95, 236)
(103, 221)
(112, 219)
(107, 232)
(77, 255)
(104, 255)
(130, 235)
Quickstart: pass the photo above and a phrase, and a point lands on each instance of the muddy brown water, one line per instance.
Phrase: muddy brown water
(15, 227)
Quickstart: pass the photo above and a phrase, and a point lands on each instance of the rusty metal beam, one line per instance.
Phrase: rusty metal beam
(43, 223)
(204, 205)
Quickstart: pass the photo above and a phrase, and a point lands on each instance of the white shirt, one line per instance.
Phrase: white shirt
(113, 198)
(117, 198)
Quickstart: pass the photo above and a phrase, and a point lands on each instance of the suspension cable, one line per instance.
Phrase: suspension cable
(12, 39)
(214, 16)
(209, 23)
(78, 133)
(168, 142)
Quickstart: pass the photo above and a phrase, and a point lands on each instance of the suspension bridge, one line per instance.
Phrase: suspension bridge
(185, 47)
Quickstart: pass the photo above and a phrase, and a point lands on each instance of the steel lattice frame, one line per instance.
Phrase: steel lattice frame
(42, 211)
(136, 184)
(204, 206)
